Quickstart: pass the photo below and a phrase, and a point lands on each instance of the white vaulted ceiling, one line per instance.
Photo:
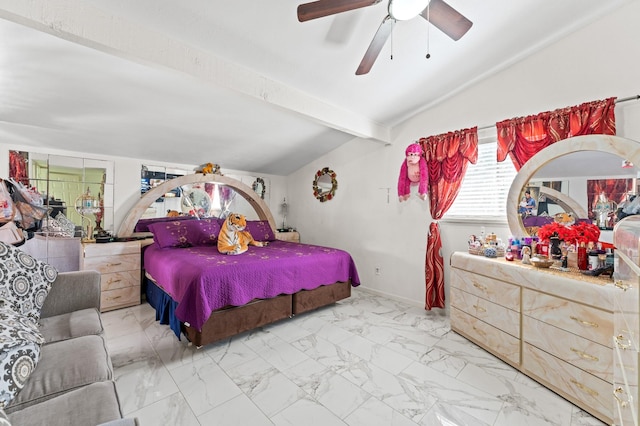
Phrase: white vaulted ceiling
(243, 83)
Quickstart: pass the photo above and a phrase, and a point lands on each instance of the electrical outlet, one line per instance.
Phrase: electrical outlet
(377, 271)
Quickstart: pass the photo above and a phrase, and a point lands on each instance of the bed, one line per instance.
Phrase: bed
(208, 296)
(214, 296)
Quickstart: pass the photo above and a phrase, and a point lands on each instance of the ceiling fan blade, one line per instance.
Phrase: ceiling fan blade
(321, 8)
(446, 19)
(376, 45)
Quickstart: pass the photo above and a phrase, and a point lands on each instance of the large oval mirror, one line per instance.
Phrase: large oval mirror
(325, 184)
(583, 178)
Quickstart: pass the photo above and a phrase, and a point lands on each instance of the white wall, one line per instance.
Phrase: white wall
(597, 62)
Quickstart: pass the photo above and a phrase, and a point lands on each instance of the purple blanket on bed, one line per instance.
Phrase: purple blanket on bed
(202, 280)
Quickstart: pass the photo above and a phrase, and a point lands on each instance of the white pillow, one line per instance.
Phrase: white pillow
(24, 281)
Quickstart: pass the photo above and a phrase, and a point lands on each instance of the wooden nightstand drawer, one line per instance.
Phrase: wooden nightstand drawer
(119, 298)
(111, 249)
(120, 280)
(109, 264)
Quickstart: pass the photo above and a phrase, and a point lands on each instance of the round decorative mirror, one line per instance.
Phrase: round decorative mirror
(567, 175)
(325, 185)
(259, 187)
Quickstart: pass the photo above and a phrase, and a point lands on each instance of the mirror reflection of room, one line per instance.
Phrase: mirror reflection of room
(581, 186)
(202, 200)
(61, 182)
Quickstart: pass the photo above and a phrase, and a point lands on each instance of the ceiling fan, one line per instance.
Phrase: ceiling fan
(437, 12)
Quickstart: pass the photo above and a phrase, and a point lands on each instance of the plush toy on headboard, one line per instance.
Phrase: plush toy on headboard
(412, 171)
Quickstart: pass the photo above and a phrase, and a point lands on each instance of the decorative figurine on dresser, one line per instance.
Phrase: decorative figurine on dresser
(626, 335)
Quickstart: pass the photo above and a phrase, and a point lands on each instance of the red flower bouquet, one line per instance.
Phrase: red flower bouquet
(582, 232)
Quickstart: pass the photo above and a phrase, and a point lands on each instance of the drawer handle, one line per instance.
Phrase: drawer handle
(114, 298)
(589, 323)
(479, 308)
(479, 286)
(622, 342)
(623, 403)
(584, 388)
(584, 355)
(114, 264)
(111, 281)
(479, 331)
(621, 285)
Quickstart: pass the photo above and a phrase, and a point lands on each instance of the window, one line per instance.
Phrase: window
(485, 187)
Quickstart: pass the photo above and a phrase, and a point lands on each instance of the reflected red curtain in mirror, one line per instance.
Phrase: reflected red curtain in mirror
(447, 158)
(19, 166)
(521, 138)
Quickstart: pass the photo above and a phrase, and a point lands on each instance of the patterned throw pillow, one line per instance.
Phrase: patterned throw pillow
(189, 233)
(20, 343)
(260, 230)
(24, 281)
(4, 420)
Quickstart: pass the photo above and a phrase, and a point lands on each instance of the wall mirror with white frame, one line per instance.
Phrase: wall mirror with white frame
(578, 168)
(63, 181)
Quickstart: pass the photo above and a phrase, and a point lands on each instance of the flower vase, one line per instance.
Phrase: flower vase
(555, 252)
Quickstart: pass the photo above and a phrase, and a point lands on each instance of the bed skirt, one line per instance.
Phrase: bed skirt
(227, 322)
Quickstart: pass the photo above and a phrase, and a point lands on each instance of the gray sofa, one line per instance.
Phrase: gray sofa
(72, 383)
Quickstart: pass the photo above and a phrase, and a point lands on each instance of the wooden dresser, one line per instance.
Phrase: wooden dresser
(554, 326)
(119, 265)
(626, 338)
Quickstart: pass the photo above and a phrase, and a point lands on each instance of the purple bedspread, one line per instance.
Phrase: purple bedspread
(202, 280)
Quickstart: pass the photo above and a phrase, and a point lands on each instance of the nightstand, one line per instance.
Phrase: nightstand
(292, 236)
(119, 266)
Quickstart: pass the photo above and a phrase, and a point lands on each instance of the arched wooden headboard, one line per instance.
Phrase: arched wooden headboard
(129, 223)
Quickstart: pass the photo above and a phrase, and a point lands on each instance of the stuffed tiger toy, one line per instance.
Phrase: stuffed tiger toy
(233, 239)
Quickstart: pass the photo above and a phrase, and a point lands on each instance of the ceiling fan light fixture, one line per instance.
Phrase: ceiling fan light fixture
(403, 10)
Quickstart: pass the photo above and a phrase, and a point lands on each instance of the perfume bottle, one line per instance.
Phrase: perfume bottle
(582, 257)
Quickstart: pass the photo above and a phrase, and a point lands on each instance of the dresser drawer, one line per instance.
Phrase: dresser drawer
(109, 264)
(111, 249)
(590, 323)
(119, 265)
(496, 341)
(585, 354)
(489, 312)
(625, 384)
(499, 292)
(589, 392)
(118, 298)
(116, 280)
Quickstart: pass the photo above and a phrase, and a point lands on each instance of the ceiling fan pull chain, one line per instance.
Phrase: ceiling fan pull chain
(428, 31)
(393, 25)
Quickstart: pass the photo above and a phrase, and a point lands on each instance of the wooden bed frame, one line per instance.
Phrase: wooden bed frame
(229, 321)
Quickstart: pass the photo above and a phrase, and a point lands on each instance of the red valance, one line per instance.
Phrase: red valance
(521, 138)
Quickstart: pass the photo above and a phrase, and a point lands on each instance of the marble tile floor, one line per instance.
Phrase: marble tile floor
(366, 360)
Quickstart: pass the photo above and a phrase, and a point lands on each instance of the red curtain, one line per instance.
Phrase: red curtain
(521, 138)
(447, 157)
